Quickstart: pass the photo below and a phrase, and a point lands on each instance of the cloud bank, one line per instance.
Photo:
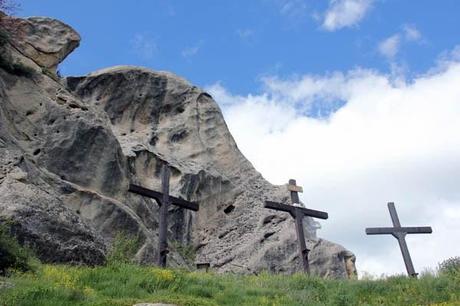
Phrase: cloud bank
(391, 140)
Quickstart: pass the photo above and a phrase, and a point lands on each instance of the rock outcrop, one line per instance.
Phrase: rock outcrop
(44, 40)
(70, 147)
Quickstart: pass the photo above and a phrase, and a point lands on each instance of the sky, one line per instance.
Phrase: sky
(358, 100)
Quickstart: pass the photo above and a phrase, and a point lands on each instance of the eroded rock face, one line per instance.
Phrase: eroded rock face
(327, 254)
(69, 149)
(44, 40)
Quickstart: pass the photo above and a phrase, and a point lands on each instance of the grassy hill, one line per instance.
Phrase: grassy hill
(120, 282)
(127, 284)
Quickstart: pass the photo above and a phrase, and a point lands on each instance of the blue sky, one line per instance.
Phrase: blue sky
(358, 100)
(238, 42)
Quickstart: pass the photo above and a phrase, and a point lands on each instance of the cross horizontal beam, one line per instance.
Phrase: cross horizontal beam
(392, 230)
(292, 210)
(158, 197)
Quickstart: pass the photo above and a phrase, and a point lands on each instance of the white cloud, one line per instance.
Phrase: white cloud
(389, 47)
(411, 33)
(345, 13)
(391, 141)
(191, 51)
(143, 46)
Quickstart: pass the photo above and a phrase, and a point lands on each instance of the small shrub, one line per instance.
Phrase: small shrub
(450, 266)
(4, 37)
(124, 247)
(21, 70)
(187, 252)
(15, 68)
(6, 61)
(8, 6)
(13, 257)
(51, 74)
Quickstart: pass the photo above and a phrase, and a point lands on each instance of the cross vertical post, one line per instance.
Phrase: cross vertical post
(400, 234)
(401, 240)
(298, 213)
(163, 222)
(164, 200)
(303, 250)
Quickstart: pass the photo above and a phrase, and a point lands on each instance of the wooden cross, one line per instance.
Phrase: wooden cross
(164, 200)
(400, 233)
(298, 213)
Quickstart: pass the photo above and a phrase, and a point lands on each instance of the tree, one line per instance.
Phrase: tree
(8, 6)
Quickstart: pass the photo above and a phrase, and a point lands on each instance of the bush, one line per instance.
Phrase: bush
(8, 6)
(17, 69)
(6, 61)
(450, 266)
(187, 252)
(3, 37)
(124, 247)
(13, 257)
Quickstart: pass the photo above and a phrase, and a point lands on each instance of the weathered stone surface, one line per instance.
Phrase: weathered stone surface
(45, 40)
(69, 149)
(340, 261)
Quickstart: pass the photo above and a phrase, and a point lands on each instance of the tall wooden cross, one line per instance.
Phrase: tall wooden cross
(400, 233)
(164, 200)
(298, 213)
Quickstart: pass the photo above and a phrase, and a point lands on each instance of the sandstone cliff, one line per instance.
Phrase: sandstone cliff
(70, 147)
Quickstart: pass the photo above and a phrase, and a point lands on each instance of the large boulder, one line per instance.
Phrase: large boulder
(69, 149)
(44, 40)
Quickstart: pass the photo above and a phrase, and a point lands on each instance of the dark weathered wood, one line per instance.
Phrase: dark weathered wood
(391, 230)
(203, 266)
(394, 214)
(295, 188)
(163, 223)
(406, 255)
(164, 200)
(158, 196)
(298, 213)
(400, 234)
(291, 210)
(303, 250)
(281, 207)
(294, 194)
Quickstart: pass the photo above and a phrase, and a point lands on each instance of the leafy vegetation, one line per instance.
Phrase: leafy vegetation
(127, 284)
(13, 257)
(450, 266)
(124, 247)
(8, 6)
(3, 37)
(15, 68)
(187, 252)
(6, 61)
(122, 282)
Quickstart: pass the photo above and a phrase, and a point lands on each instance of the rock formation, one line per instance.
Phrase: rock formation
(70, 147)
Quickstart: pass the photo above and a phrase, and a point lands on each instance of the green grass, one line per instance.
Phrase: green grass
(127, 284)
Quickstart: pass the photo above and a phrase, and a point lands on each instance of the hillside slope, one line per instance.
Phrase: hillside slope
(70, 147)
